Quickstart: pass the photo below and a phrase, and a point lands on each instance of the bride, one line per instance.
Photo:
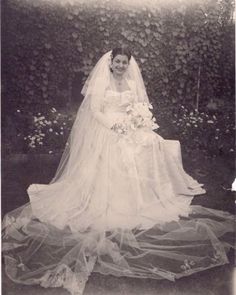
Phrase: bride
(120, 201)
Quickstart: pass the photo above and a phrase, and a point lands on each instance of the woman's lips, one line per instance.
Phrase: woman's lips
(120, 70)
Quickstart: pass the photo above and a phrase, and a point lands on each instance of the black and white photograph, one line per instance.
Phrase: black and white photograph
(118, 147)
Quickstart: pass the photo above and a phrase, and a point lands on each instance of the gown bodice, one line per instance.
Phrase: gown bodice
(117, 102)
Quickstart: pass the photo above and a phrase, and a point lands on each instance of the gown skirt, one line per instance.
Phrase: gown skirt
(125, 210)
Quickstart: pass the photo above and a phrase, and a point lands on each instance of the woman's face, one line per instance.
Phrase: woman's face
(120, 64)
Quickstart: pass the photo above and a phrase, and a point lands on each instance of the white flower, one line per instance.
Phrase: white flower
(150, 106)
(139, 115)
(50, 130)
(155, 126)
(210, 122)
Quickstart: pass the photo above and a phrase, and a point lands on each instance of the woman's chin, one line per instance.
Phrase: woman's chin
(119, 74)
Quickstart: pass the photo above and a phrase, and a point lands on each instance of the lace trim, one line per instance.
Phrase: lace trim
(64, 277)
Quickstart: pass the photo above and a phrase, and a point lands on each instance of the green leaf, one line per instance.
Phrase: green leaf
(175, 33)
(142, 35)
(75, 12)
(47, 45)
(147, 23)
(74, 35)
(70, 17)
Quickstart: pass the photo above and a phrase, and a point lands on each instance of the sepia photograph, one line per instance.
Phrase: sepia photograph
(118, 147)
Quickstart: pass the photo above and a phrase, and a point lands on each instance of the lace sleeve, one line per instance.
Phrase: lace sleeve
(96, 108)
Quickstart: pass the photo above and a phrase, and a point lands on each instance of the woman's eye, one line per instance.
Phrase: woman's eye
(121, 62)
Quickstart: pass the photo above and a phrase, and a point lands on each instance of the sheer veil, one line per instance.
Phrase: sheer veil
(84, 127)
(59, 238)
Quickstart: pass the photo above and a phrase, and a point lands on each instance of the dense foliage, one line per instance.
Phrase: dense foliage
(185, 50)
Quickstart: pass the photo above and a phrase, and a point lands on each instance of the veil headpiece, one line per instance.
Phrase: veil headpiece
(99, 78)
(84, 128)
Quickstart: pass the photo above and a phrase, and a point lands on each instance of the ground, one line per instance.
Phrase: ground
(19, 171)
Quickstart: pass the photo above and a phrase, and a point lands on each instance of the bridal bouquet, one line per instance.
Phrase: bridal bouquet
(138, 116)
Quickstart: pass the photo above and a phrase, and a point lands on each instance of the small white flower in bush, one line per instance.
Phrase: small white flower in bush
(210, 132)
(49, 131)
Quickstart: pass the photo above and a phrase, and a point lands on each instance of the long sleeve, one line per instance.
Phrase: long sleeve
(96, 109)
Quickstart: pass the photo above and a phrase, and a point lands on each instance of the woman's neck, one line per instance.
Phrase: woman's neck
(117, 77)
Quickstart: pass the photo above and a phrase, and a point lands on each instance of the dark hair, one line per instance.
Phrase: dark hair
(120, 50)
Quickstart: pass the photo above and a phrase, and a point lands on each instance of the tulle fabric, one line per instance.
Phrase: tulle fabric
(84, 129)
(39, 253)
(124, 209)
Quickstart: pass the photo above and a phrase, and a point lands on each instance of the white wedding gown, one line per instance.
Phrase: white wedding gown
(124, 210)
